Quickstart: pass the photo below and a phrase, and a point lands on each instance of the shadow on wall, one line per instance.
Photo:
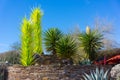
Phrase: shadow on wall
(3, 72)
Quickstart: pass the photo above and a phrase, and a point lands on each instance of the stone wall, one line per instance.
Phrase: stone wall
(50, 72)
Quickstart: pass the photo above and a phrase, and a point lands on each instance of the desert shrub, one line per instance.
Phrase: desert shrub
(80, 54)
(11, 56)
(15, 46)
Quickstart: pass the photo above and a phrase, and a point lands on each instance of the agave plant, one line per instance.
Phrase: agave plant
(96, 75)
(66, 47)
(51, 38)
(85, 62)
(91, 42)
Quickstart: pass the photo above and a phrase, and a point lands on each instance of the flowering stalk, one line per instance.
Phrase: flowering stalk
(88, 30)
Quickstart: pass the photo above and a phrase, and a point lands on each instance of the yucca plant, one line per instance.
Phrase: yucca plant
(35, 19)
(96, 75)
(91, 42)
(26, 56)
(66, 47)
(51, 38)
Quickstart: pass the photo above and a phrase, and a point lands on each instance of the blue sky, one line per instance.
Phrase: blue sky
(64, 14)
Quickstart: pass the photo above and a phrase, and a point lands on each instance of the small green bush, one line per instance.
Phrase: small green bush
(11, 56)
